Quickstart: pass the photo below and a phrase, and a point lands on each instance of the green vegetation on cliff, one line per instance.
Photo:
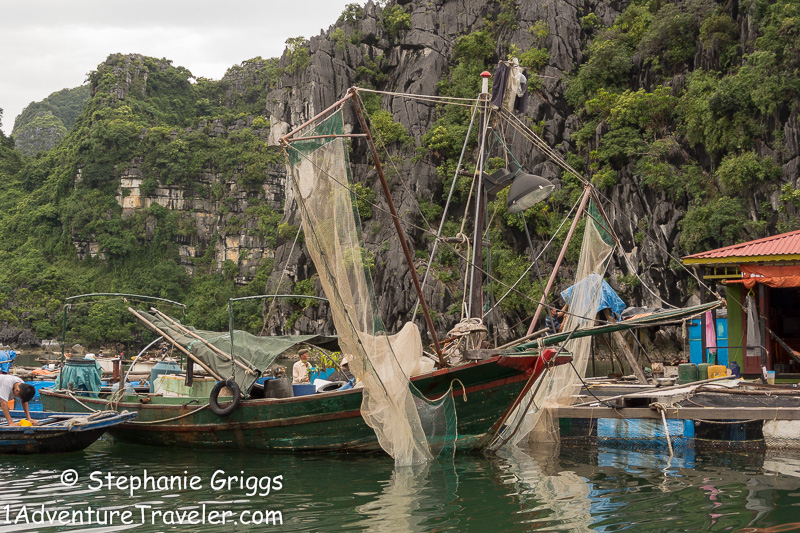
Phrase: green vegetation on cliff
(62, 227)
(42, 125)
(672, 97)
(687, 108)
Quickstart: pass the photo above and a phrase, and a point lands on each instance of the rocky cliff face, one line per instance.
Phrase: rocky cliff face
(416, 58)
(414, 61)
(42, 133)
(411, 46)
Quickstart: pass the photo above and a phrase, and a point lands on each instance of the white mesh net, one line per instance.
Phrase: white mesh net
(409, 427)
(559, 384)
(753, 328)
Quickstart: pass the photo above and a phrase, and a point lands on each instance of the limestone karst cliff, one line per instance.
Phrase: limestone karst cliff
(662, 165)
(683, 114)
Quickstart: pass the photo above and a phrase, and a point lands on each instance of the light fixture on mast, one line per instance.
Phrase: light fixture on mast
(526, 189)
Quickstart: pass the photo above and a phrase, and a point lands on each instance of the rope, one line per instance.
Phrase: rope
(447, 207)
(96, 411)
(525, 413)
(662, 408)
(530, 135)
(588, 389)
(727, 422)
(69, 393)
(536, 260)
(170, 419)
(424, 98)
(463, 388)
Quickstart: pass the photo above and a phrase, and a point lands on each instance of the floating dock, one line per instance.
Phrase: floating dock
(716, 413)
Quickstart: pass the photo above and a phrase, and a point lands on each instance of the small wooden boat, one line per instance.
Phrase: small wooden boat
(57, 432)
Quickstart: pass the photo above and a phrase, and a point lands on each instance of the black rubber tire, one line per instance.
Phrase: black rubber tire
(231, 407)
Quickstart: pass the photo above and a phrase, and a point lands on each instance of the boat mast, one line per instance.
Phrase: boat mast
(401, 235)
(475, 304)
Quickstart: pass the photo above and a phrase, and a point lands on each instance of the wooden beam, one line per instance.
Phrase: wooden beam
(681, 413)
(398, 228)
(626, 350)
(178, 346)
(186, 331)
(563, 252)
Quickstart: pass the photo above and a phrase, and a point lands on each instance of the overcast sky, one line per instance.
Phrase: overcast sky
(49, 45)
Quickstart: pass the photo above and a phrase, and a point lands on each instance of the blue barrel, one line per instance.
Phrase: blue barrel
(161, 368)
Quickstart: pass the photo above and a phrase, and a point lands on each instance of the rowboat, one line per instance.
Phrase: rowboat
(57, 433)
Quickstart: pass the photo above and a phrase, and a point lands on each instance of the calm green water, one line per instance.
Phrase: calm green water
(542, 489)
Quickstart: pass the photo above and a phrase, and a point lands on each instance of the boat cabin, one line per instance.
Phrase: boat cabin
(762, 282)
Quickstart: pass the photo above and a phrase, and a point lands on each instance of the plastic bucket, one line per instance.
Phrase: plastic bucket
(278, 388)
(717, 371)
(702, 371)
(303, 389)
(771, 377)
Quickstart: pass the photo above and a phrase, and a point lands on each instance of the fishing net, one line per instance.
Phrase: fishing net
(753, 328)
(409, 427)
(559, 384)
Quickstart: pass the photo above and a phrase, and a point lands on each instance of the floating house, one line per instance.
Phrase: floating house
(762, 280)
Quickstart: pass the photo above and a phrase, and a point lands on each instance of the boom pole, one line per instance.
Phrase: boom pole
(401, 235)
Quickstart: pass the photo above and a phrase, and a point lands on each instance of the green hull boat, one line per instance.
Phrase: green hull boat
(484, 392)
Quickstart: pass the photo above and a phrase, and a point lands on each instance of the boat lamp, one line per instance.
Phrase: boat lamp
(526, 189)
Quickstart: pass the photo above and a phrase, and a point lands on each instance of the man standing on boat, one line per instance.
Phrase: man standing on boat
(553, 320)
(300, 369)
(11, 386)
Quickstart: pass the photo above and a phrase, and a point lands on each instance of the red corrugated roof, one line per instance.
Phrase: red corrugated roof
(783, 244)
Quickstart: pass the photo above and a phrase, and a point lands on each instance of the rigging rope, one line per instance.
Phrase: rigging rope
(518, 125)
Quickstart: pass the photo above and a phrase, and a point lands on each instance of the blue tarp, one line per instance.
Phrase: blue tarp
(6, 359)
(609, 298)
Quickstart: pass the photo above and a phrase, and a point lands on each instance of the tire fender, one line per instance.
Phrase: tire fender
(213, 400)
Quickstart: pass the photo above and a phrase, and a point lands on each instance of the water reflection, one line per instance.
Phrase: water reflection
(542, 488)
(542, 485)
(412, 496)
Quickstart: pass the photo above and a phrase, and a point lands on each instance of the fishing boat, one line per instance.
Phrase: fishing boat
(329, 421)
(477, 397)
(57, 433)
(410, 412)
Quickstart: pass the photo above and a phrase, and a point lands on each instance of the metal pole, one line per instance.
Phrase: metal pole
(401, 235)
(288, 137)
(703, 355)
(558, 262)
(474, 306)
(64, 335)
